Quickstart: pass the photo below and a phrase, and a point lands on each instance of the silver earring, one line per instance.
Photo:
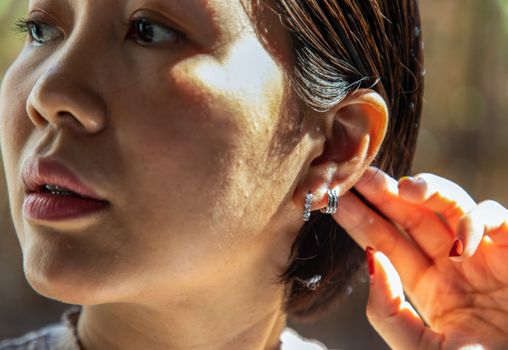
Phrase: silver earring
(311, 283)
(308, 201)
(333, 201)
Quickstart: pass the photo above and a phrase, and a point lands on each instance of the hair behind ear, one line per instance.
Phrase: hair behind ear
(342, 46)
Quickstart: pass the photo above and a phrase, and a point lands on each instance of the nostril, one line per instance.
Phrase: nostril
(81, 124)
(37, 119)
(62, 99)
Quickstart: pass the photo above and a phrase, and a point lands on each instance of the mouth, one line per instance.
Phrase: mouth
(47, 206)
(59, 191)
(44, 175)
(54, 192)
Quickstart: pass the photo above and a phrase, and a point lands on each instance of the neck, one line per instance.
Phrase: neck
(233, 306)
(186, 325)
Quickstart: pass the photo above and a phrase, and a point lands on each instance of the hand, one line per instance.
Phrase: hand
(450, 252)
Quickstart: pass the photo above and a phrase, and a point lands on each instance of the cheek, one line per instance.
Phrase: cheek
(177, 150)
(15, 126)
(197, 139)
(13, 95)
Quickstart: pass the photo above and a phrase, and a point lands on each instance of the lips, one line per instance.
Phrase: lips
(37, 173)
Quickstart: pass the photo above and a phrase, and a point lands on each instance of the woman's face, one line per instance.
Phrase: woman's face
(189, 138)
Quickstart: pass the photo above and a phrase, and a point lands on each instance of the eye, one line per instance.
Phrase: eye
(41, 34)
(149, 32)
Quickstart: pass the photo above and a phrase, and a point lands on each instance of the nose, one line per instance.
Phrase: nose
(62, 99)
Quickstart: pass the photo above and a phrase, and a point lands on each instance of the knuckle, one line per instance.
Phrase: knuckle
(378, 185)
(363, 223)
(413, 220)
(358, 221)
(386, 243)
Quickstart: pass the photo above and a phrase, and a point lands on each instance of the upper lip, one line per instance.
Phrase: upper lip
(37, 172)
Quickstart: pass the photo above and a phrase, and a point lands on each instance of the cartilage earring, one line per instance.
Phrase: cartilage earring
(306, 211)
(333, 202)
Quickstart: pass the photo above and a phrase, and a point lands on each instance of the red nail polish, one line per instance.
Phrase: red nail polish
(369, 252)
(457, 248)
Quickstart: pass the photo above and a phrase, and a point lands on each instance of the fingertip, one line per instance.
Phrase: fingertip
(373, 170)
(384, 276)
(412, 189)
(374, 183)
(469, 235)
(410, 179)
(390, 314)
(370, 175)
(386, 294)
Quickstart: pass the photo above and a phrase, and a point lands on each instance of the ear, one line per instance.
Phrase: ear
(352, 133)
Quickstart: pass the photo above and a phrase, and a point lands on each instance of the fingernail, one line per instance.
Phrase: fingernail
(420, 181)
(369, 252)
(409, 178)
(457, 248)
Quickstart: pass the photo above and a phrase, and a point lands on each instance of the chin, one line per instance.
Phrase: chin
(56, 276)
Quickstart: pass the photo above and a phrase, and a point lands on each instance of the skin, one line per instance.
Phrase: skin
(200, 150)
(462, 298)
(203, 162)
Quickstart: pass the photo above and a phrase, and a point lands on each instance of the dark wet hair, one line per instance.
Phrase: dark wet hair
(341, 46)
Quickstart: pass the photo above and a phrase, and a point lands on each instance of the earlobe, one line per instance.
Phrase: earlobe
(354, 131)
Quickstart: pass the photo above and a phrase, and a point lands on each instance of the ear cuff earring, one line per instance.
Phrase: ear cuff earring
(333, 202)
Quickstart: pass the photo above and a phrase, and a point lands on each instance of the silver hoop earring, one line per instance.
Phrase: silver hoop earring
(306, 211)
(333, 202)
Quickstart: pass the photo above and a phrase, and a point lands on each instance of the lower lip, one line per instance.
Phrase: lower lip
(48, 206)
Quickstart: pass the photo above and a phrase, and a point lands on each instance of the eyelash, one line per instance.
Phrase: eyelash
(23, 25)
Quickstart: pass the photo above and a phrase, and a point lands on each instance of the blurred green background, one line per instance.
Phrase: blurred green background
(464, 137)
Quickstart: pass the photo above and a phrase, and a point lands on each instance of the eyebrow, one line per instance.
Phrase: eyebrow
(203, 12)
(211, 16)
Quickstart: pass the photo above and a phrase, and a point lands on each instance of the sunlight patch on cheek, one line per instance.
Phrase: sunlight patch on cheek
(246, 85)
(211, 75)
(253, 72)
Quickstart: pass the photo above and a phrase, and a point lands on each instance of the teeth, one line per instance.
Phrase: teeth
(53, 189)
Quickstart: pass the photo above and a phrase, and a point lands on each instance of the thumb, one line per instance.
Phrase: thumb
(390, 314)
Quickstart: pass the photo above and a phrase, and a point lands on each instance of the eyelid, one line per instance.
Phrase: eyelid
(156, 18)
(41, 17)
